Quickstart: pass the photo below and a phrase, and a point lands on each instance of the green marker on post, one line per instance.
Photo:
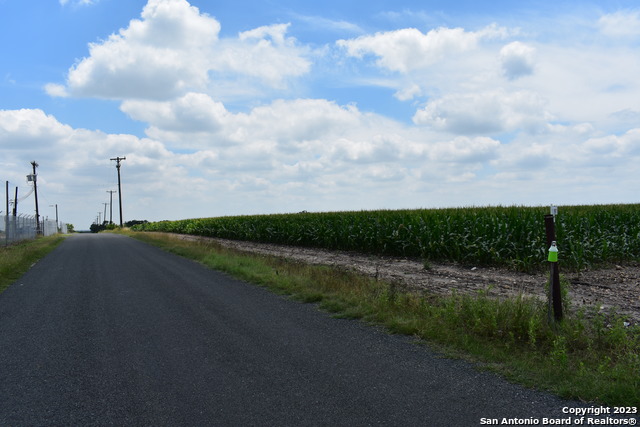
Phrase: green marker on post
(553, 252)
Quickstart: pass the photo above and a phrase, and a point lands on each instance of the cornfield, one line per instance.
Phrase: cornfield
(503, 236)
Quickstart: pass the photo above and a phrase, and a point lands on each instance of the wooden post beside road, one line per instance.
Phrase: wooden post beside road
(555, 296)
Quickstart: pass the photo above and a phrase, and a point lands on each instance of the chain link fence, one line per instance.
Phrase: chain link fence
(21, 227)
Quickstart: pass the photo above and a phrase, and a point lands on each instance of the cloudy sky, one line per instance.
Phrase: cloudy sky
(245, 107)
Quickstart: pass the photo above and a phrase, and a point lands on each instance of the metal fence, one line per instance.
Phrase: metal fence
(21, 227)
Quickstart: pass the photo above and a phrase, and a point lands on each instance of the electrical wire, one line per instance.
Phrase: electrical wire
(20, 199)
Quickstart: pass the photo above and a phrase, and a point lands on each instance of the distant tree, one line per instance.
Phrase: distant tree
(96, 228)
(135, 222)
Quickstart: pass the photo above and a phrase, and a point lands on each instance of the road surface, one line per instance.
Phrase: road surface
(107, 330)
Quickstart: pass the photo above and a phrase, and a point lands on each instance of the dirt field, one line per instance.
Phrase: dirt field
(612, 288)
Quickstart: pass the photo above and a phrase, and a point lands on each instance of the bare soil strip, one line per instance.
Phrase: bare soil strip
(616, 288)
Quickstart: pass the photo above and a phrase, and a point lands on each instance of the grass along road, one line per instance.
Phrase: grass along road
(614, 288)
(590, 356)
(17, 258)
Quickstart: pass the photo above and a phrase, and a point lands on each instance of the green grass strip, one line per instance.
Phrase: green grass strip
(589, 356)
(16, 259)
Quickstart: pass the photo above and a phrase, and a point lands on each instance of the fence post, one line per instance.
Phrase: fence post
(555, 296)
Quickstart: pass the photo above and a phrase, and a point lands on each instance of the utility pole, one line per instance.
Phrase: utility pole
(57, 226)
(104, 218)
(118, 160)
(15, 203)
(110, 205)
(35, 189)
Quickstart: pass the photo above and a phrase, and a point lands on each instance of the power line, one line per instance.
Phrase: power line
(25, 196)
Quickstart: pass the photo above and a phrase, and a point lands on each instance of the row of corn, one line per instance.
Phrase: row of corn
(508, 236)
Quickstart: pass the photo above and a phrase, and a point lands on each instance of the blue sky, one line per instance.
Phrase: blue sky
(228, 108)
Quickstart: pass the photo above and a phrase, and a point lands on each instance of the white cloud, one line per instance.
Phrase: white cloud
(325, 24)
(274, 32)
(409, 92)
(264, 53)
(517, 60)
(465, 76)
(308, 137)
(409, 49)
(300, 120)
(620, 24)
(586, 85)
(533, 157)
(627, 115)
(611, 150)
(307, 140)
(193, 112)
(495, 118)
(156, 57)
(488, 113)
(173, 49)
(466, 150)
(74, 168)
(56, 90)
(197, 121)
(300, 154)
(427, 64)
(31, 129)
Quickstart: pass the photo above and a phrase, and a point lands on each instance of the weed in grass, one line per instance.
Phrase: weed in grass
(532, 330)
(559, 352)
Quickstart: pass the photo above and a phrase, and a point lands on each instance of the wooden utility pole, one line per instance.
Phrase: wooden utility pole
(104, 218)
(57, 225)
(35, 189)
(118, 160)
(110, 206)
(15, 203)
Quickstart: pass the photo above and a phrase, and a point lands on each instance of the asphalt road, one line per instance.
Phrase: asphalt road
(106, 330)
